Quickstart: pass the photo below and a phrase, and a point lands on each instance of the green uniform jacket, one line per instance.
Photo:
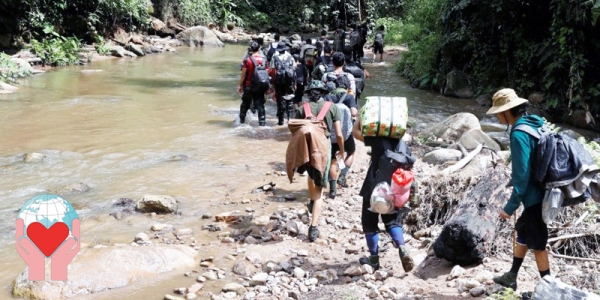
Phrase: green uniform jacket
(522, 147)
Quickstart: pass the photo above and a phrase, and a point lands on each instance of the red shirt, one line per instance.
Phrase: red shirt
(249, 66)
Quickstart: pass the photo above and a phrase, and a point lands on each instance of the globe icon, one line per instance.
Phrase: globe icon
(48, 209)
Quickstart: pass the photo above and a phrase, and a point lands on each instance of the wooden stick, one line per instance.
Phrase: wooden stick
(581, 219)
(574, 258)
(571, 236)
(463, 162)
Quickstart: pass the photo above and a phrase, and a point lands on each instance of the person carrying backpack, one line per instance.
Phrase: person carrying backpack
(355, 43)
(309, 54)
(273, 47)
(378, 44)
(347, 105)
(358, 71)
(315, 143)
(381, 167)
(532, 231)
(254, 83)
(301, 80)
(339, 39)
(322, 42)
(285, 73)
(338, 59)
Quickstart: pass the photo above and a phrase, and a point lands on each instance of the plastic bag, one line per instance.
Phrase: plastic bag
(401, 186)
(382, 199)
(552, 204)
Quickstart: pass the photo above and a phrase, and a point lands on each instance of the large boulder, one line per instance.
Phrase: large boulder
(119, 51)
(581, 119)
(135, 49)
(157, 204)
(440, 156)
(224, 37)
(96, 270)
(198, 36)
(502, 138)
(457, 85)
(472, 138)
(453, 127)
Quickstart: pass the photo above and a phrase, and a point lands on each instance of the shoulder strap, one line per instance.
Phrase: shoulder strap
(529, 130)
(343, 98)
(253, 61)
(307, 112)
(324, 111)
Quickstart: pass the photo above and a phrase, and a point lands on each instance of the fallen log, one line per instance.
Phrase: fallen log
(470, 233)
(552, 288)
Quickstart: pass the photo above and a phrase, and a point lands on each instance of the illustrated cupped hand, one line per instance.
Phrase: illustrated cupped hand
(33, 257)
(65, 253)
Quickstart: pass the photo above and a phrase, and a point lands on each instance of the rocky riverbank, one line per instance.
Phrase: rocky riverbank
(255, 247)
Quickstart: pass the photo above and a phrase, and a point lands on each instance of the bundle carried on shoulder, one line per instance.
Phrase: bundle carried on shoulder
(384, 117)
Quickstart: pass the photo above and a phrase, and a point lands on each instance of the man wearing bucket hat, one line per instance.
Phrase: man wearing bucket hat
(283, 62)
(532, 232)
(317, 180)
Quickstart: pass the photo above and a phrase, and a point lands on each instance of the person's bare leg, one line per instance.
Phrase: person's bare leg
(521, 251)
(315, 194)
(349, 160)
(541, 259)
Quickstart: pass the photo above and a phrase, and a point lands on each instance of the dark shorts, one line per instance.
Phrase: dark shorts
(299, 93)
(378, 48)
(321, 180)
(349, 147)
(531, 229)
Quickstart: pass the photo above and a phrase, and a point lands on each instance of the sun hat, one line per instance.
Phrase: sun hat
(282, 46)
(504, 100)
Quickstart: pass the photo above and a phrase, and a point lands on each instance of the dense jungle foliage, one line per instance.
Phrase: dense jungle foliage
(550, 47)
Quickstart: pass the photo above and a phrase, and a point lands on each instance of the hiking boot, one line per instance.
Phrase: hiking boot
(407, 262)
(508, 280)
(342, 181)
(372, 261)
(313, 233)
(309, 205)
(242, 120)
(527, 296)
(332, 194)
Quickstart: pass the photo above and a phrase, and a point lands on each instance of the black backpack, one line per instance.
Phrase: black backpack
(355, 38)
(320, 70)
(260, 79)
(559, 160)
(285, 74)
(270, 53)
(358, 74)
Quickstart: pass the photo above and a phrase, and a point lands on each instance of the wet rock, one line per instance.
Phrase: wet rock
(472, 138)
(119, 51)
(440, 156)
(157, 203)
(73, 188)
(234, 287)
(190, 296)
(179, 157)
(244, 268)
(33, 157)
(210, 275)
(484, 100)
(457, 85)
(476, 292)
(212, 227)
(135, 49)
(272, 266)
(170, 297)
(199, 36)
(93, 270)
(161, 227)
(254, 258)
(292, 227)
(453, 127)
(141, 237)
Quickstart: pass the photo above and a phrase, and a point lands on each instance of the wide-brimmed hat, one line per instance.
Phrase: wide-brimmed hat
(282, 46)
(504, 100)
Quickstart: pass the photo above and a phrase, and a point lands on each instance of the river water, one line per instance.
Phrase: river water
(115, 125)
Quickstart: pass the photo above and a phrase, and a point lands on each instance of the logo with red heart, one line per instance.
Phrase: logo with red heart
(47, 239)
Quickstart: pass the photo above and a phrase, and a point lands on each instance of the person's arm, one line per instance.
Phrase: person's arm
(367, 74)
(337, 126)
(352, 84)
(357, 133)
(520, 147)
(350, 101)
(242, 77)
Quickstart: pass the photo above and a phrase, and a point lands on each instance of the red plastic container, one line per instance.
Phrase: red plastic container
(401, 182)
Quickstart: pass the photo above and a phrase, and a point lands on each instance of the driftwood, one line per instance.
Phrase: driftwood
(552, 288)
(463, 162)
(469, 234)
(574, 258)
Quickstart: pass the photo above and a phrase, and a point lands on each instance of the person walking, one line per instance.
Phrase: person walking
(369, 219)
(317, 180)
(285, 72)
(252, 97)
(532, 232)
(378, 44)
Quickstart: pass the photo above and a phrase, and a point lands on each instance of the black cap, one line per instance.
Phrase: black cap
(254, 46)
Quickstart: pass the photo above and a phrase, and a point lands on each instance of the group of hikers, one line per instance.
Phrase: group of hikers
(331, 77)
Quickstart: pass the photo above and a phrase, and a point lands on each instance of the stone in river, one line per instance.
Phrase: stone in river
(157, 204)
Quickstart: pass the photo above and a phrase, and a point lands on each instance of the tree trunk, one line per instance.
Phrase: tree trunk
(467, 237)
(552, 288)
